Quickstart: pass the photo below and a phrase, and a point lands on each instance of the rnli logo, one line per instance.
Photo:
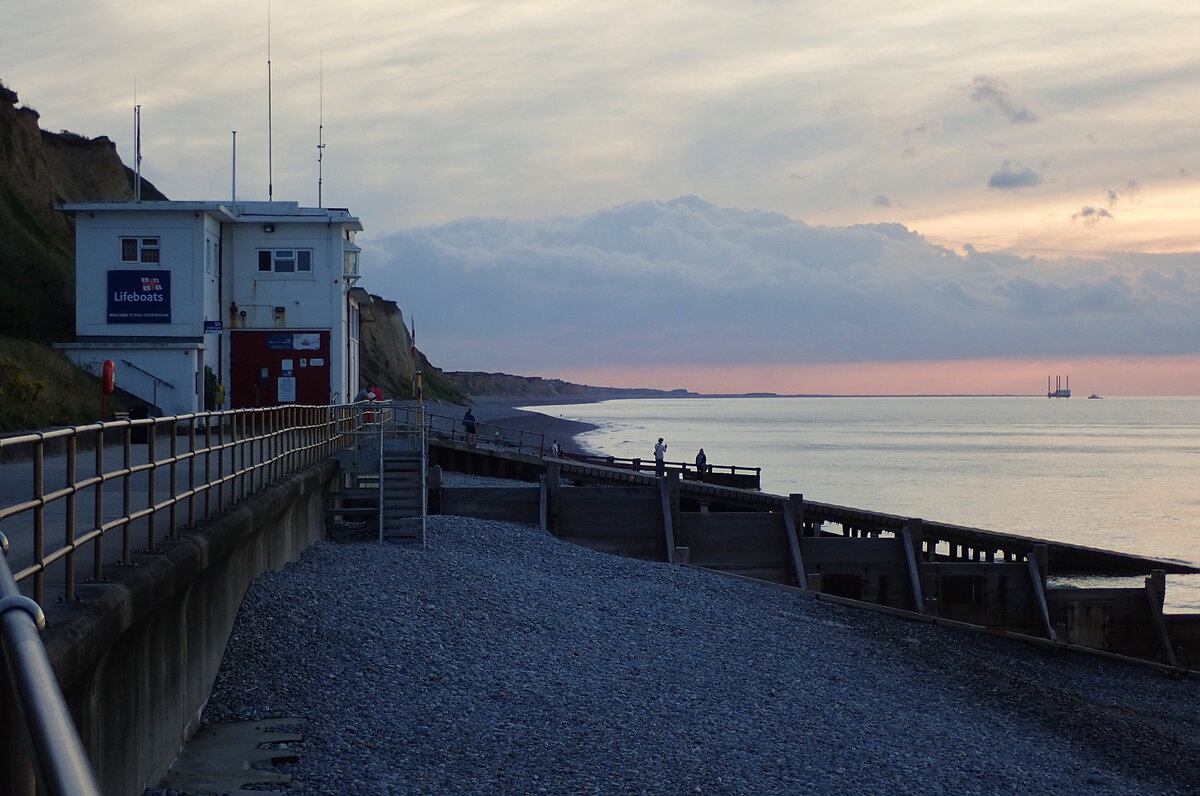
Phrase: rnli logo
(139, 296)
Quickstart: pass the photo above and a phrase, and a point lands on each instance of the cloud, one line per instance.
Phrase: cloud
(685, 282)
(1013, 176)
(1091, 215)
(882, 201)
(1130, 192)
(995, 93)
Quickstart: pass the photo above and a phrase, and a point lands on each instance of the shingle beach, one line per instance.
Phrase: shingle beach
(498, 659)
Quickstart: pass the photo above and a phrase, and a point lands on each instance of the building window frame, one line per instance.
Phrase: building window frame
(286, 262)
(141, 249)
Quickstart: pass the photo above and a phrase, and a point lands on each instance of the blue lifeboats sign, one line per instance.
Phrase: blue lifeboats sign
(139, 296)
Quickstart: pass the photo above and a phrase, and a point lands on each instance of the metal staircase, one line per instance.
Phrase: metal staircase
(401, 490)
(382, 489)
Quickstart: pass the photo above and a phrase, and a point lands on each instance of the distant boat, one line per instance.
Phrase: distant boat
(1094, 395)
(1059, 391)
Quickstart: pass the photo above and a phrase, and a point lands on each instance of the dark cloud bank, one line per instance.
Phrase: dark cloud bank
(686, 282)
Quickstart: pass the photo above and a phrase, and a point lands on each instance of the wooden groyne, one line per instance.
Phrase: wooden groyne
(994, 581)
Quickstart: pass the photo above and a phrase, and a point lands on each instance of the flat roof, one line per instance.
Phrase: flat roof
(232, 212)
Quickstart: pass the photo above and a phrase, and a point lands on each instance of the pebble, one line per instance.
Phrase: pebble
(499, 659)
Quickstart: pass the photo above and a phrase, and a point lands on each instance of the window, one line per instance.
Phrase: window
(139, 250)
(285, 261)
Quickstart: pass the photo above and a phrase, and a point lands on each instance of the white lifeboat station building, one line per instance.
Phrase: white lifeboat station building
(259, 296)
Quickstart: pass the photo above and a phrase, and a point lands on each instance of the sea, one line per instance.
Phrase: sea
(1119, 473)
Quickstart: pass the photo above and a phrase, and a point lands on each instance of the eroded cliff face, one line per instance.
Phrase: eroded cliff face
(38, 171)
(385, 351)
(47, 169)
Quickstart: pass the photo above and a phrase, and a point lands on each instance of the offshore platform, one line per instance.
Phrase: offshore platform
(1059, 390)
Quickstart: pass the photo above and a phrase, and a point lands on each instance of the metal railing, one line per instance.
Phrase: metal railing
(60, 762)
(486, 435)
(131, 480)
(638, 465)
(134, 479)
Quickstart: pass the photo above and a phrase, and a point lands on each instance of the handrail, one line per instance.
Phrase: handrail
(486, 435)
(164, 470)
(639, 464)
(62, 765)
(209, 461)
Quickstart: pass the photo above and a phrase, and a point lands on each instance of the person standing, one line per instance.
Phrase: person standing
(555, 450)
(701, 462)
(469, 426)
(660, 453)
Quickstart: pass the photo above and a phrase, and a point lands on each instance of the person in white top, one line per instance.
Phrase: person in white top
(660, 452)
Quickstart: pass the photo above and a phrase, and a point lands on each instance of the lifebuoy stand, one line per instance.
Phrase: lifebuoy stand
(107, 383)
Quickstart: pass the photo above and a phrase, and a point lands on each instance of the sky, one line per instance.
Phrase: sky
(722, 196)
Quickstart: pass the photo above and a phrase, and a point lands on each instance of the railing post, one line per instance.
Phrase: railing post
(208, 453)
(151, 483)
(98, 516)
(69, 530)
(39, 519)
(192, 469)
(127, 499)
(173, 512)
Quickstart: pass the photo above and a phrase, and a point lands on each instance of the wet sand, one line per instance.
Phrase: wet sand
(502, 412)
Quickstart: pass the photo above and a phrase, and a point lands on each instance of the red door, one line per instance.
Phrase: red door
(269, 368)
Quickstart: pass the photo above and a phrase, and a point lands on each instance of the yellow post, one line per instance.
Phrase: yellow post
(420, 405)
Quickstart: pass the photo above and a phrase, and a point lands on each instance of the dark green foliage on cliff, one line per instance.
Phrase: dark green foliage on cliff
(37, 270)
(40, 388)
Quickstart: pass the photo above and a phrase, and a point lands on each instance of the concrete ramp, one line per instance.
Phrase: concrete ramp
(220, 758)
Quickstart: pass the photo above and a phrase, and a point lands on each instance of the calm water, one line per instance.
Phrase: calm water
(1116, 473)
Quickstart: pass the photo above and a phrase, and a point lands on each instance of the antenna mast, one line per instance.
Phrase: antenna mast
(321, 131)
(137, 146)
(137, 153)
(233, 177)
(270, 140)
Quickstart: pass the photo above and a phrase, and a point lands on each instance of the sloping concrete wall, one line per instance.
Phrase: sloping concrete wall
(137, 665)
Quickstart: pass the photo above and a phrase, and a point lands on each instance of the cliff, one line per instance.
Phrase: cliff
(503, 385)
(39, 170)
(385, 352)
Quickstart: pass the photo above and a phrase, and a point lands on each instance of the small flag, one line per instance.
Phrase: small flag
(151, 283)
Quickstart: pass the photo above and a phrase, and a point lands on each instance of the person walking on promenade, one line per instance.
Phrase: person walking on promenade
(660, 452)
(701, 462)
(555, 450)
(469, 426)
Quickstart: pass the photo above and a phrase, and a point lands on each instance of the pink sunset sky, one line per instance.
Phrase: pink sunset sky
(1166, 376)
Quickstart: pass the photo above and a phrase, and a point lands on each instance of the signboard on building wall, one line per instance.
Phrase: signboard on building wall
(303, 341)
(139, 296)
